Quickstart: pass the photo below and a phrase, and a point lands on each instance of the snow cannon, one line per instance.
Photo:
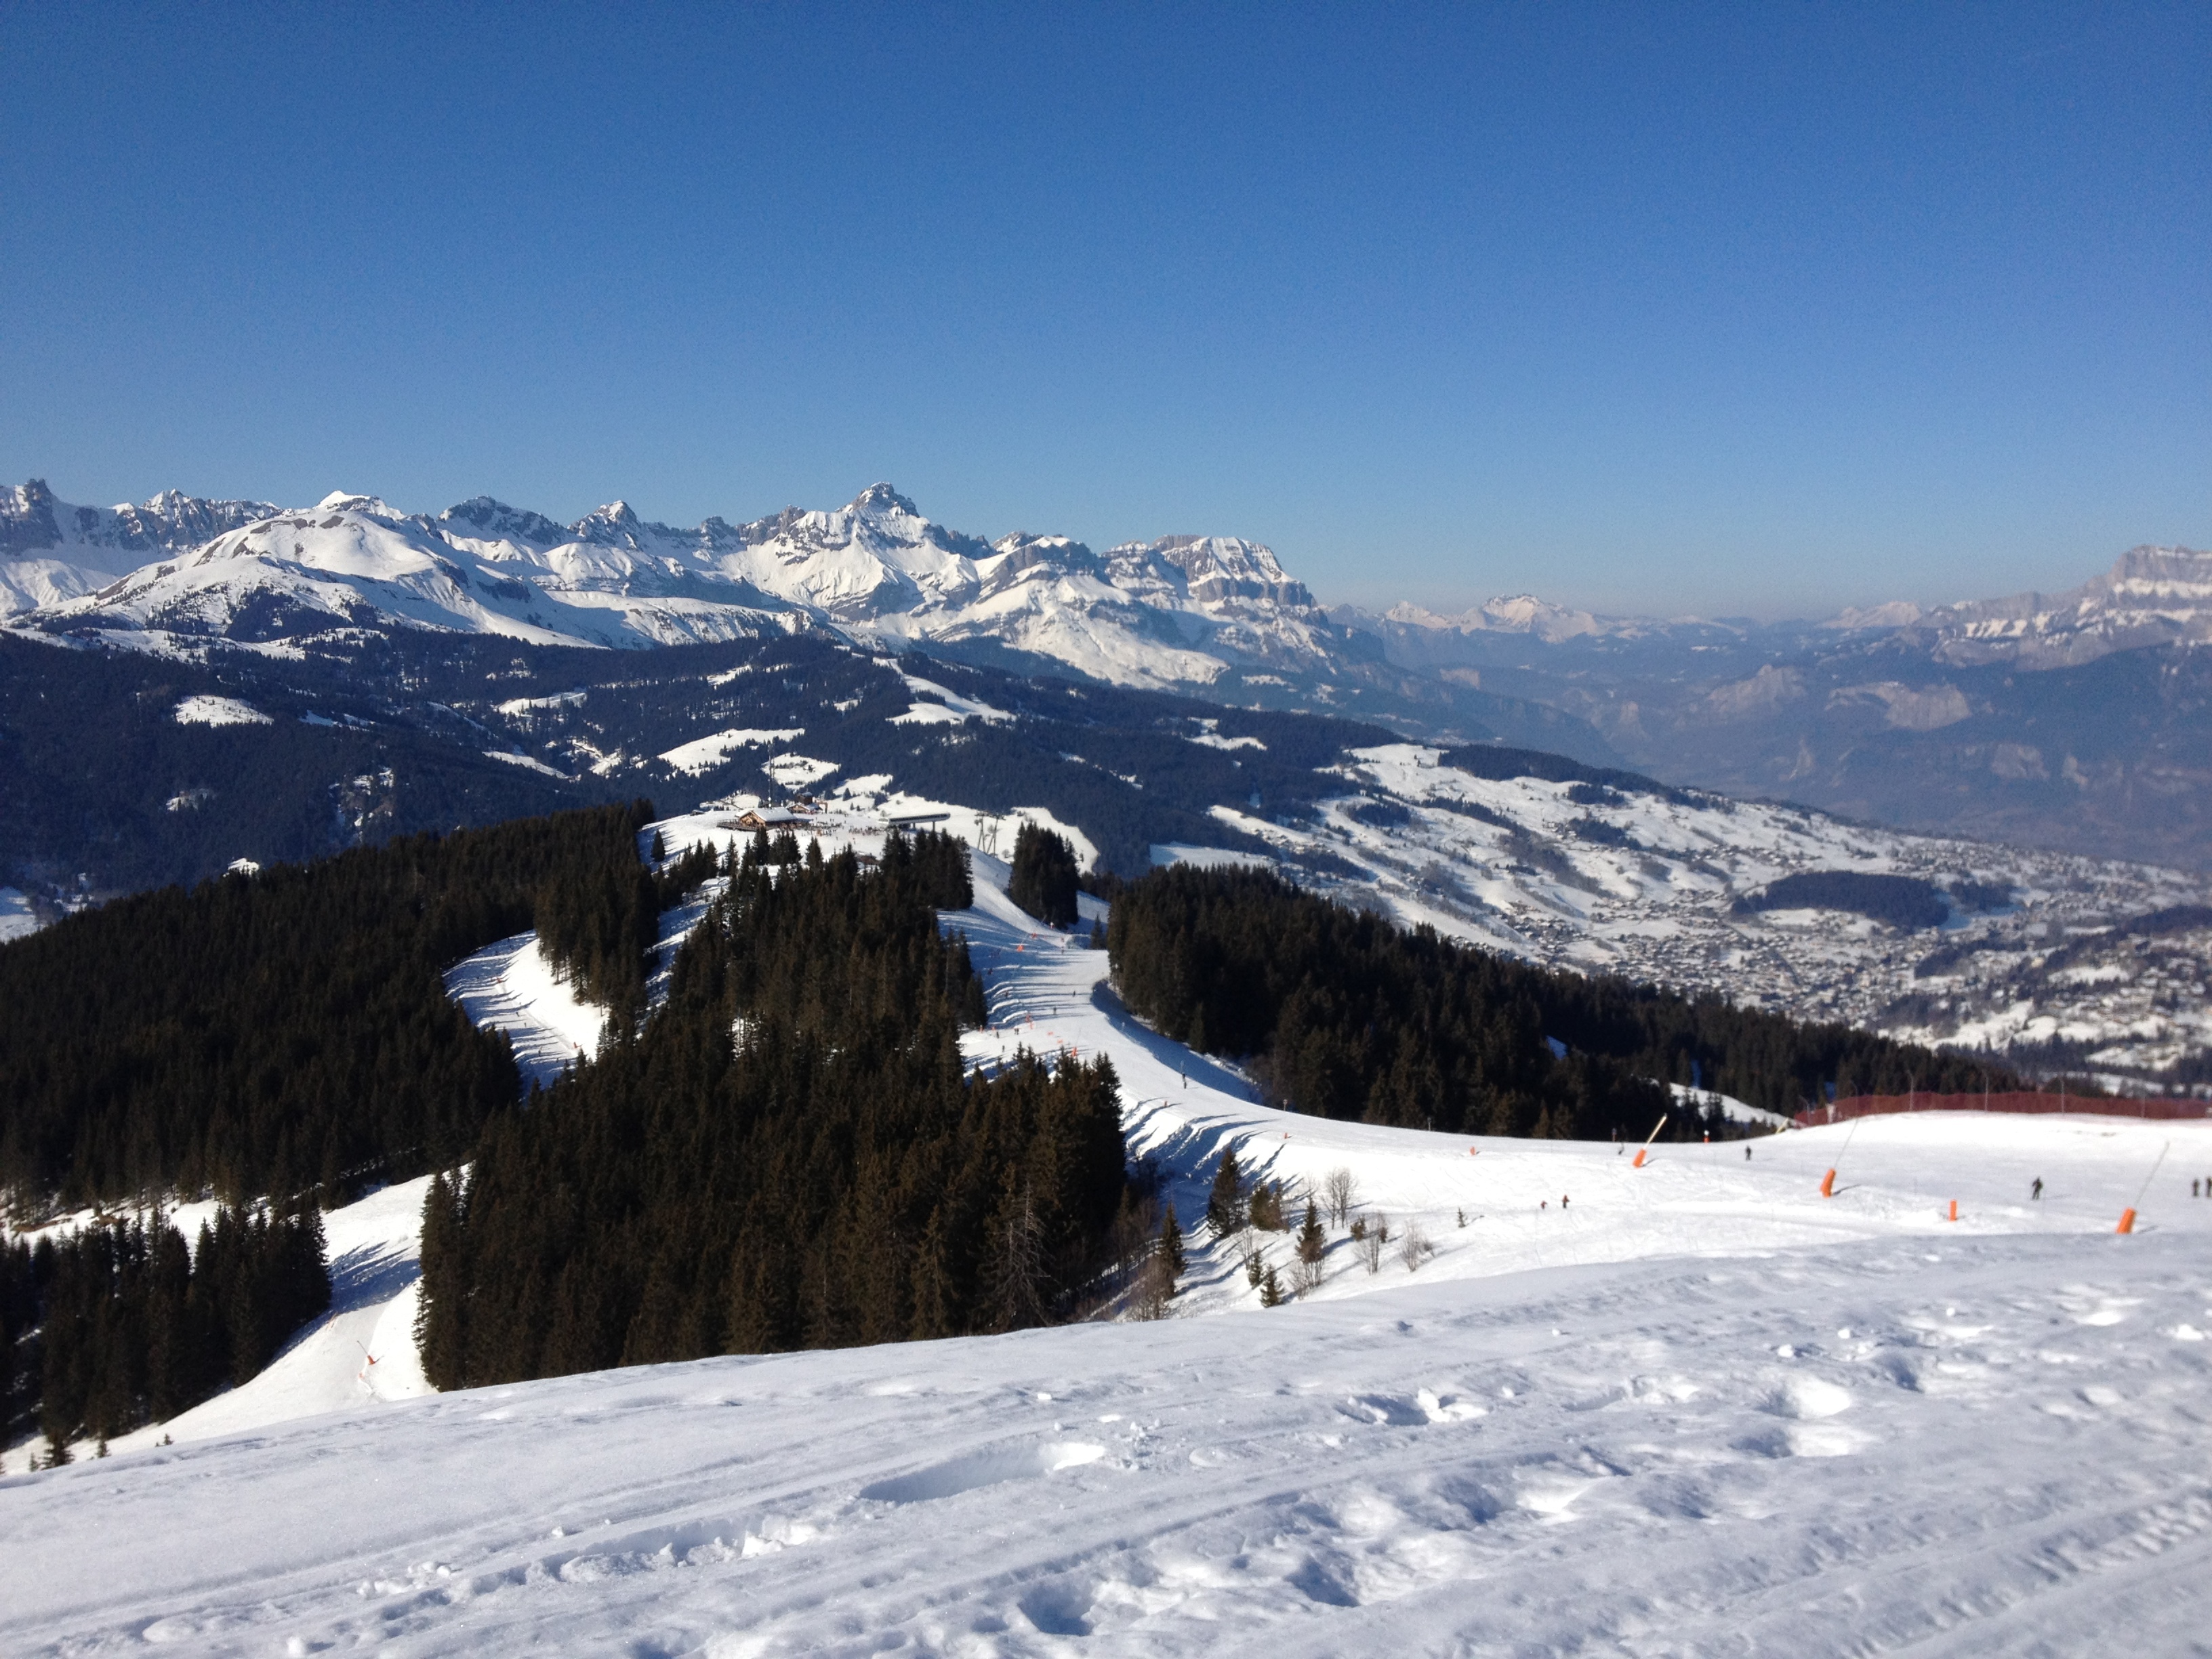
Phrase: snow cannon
(1639, 1159)
(2127, 1222)
(1828, 1184)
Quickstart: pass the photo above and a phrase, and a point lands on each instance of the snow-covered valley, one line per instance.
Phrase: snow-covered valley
(2099, 955)
(1687, 1407)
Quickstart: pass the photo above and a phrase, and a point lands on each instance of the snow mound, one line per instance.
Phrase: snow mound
(528, 762)
(219, 711)
(17, 919)
(703, 755)
(1208, 858)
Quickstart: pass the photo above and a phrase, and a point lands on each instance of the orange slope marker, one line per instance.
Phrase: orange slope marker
(1828, 1181)
(2127, 1216)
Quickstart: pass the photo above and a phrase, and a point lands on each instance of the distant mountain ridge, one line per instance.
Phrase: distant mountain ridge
(2151, 596)
(2081, 719)
(1174, 612)
(1183, 612)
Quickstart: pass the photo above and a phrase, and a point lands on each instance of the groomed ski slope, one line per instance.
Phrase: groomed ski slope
(1702, 1410)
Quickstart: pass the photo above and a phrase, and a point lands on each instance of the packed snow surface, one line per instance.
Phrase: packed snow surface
(1994, 1445)
(1689, 1408)
(510, 987)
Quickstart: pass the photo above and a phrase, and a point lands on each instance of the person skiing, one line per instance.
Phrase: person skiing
(1747, 1154)
(2035, 1187)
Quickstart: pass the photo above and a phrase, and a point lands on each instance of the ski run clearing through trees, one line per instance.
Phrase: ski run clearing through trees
(1696, 1408)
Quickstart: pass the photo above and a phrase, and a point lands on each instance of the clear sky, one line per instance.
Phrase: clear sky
(1755, 309)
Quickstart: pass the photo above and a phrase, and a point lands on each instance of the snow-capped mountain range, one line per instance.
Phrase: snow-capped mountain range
(1177, 612)
(1921, 718)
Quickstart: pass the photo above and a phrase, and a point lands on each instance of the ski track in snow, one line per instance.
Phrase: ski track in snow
(1700, 1410)
(510, 987)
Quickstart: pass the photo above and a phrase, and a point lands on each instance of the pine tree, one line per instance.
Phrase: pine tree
(1043, 878)
(439, 1332)
(1224, 1205)
(1265, 1210)
(1312, 1242)
(1171, 1243)
(1271, 1293)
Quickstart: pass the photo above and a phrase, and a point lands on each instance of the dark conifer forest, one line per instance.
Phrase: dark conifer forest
(134, 1326)
(289, 1031)
(285, 1037)
(789, 1155)
(1345, 1015)
(1042, 878)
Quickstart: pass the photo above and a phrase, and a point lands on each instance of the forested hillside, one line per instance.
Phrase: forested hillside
(287, 1031)
(135, 1325)
(100, 780)
(825, 1175)
(1348, 1016)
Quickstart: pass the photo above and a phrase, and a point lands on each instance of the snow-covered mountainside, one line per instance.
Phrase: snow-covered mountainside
(2040, 958)
(2035, 954)
(2151, 596)
(2054, 958)
(2076, 720)
(51, 552)
(1685, 1407)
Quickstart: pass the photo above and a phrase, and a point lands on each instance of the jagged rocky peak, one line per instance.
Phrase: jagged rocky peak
(2163, 572)
(613, 526)
(1216, 569)
(1024, 551)
(881, 500)
(27, 519)
(369, 507)
(878, 518)
(481, 517)
(34, 520)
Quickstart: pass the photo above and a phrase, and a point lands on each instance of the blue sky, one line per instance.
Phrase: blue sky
(1747, 310)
